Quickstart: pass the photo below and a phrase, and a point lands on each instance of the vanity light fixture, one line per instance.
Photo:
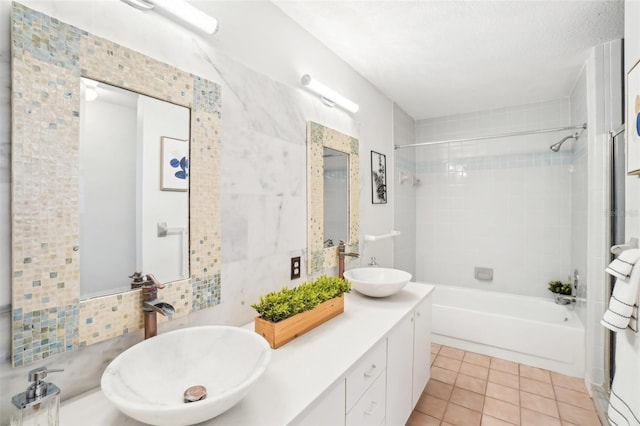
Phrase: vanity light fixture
(179, 9)
(328, 96)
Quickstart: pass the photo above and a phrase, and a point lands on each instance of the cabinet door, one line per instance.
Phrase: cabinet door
(421, 348)
(329, 410)
(400, 372)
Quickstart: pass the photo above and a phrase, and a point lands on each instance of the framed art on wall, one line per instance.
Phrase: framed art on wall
(378, 178)
(633, 120)
(174, 168)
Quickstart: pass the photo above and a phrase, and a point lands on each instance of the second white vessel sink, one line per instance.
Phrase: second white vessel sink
(377, 282)
(149, 381)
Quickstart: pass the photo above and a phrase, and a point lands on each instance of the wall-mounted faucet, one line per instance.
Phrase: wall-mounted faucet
(151, 305)
(341, 255)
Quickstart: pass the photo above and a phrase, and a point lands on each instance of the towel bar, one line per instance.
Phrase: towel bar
(631, 244)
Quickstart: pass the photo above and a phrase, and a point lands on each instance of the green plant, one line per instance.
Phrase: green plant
(559, 287)
(279, 305)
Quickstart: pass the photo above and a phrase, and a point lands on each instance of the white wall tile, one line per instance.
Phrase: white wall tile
(500, 203)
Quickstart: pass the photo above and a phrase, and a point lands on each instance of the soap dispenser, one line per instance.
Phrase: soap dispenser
(39, 405)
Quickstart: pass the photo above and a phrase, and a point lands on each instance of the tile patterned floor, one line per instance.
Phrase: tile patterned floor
(469, 389)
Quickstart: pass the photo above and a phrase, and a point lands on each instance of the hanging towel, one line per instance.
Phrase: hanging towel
(624, 402)
(621, 266)
(624, 299)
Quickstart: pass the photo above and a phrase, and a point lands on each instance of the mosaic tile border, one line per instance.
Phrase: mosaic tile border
(319, 136)
(48, 59)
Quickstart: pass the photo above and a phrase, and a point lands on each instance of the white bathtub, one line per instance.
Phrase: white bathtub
(528, 330)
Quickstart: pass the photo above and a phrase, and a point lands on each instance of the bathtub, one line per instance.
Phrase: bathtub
(528, 330)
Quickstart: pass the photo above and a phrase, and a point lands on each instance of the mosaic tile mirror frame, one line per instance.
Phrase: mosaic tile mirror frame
(48, 59)
(319, 137)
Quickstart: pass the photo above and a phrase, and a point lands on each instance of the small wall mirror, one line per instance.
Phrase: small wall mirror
(332, 195)
(129, 220)
(335, 196)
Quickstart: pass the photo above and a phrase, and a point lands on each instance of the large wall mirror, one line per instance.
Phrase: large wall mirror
(332, 195)
(70, 197)
(335, 196)
(134, 214)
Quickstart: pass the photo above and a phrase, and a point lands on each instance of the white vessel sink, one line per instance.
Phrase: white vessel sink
(377, 282)
(148, 381)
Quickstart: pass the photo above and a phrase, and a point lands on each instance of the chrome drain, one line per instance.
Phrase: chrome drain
(195, 393)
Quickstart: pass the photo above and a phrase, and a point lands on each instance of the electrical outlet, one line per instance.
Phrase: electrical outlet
(295, 267)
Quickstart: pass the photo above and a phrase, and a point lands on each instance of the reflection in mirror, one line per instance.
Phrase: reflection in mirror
(122, 204)
(335, 196)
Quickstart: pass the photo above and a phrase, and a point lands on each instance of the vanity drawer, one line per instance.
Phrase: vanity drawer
(366, 372)
(370, 409)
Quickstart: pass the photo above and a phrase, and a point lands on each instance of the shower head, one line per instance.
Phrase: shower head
(556, 146)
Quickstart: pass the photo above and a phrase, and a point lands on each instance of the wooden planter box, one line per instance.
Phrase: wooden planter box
(281, 332)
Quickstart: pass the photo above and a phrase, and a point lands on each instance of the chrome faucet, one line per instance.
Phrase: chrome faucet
(341, 255)
(151, 305)
(565, 299)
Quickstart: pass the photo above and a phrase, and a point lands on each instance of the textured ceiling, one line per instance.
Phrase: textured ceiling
(436, 58)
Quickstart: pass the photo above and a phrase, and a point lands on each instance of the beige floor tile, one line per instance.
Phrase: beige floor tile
(535, 373)
(443, 375)
(492, 421)
(534, 418)
(461, 416)
(539, 388)
(439, 389)
(502, 410)
(539, 404)
(578, 415)
(474, 370)
(568, 382)
(477, 359)
(420, 419)
(505, 379)
(573, 397)
(471, 383)
(469, 389)
(453, 353)
(431, 405)
(504, 365)
(467, 399)
(448, 363)
(503, 393)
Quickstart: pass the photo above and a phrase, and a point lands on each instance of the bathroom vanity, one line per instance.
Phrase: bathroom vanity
(366, 366)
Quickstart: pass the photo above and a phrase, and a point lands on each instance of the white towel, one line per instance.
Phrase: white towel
(624, 402)
(623, 302)
(621, 266)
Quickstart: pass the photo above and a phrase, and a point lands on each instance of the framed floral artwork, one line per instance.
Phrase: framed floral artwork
(633, 120)
(174, 168)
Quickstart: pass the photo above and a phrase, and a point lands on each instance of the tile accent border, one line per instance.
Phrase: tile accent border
(318, 137)
(48, 59)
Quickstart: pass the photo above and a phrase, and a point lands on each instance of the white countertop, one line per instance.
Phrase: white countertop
(299, 372)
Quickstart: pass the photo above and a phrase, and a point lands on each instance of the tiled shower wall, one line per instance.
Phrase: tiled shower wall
(502, 203)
